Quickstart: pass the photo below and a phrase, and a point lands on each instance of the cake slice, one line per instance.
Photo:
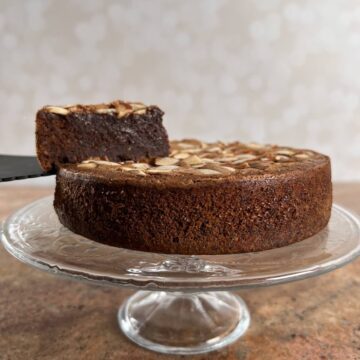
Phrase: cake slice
(116, 131)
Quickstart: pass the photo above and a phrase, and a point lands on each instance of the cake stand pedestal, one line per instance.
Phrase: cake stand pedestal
(183, 323)
(184, 305)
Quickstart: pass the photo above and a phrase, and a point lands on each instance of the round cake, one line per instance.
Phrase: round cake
(205, 198)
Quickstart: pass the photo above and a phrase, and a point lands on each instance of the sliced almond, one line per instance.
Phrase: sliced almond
(237, 159)
(122, 108)
(236, 162)
(281, 158)
(141, 166)
(228, 154)
(226, 159)
(214, 149)
(246, 157)
(302, 156)
(228, 169)
(104, 162)
(137, 105)
(165, 161)
(139, 172)
(87, 165)
(184, 145)
(87, 161)
(133, 171)
(106, 111)
(207, 155)
(193, 160)
(286, 152)
(181, 155)
(198, 166)
(70, 106)
(123, 113)
(162, 169)
(207, 172)
(208, 161)
(254, 146)
(194, 150)
(221, 169)
(140, 111)
(57, 110)
(194, 142)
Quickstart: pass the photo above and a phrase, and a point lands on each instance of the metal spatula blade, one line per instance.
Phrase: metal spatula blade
(13, 167)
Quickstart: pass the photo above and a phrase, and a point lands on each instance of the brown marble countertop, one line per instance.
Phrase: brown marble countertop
(46, 317)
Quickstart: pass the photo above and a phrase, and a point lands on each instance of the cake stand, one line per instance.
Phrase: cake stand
(184, 305)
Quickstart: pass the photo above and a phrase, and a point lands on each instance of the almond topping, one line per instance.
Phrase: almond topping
(281, 158)
(137, 106)
(228, 169)
(165, 161)
(104, 162)
(57, 110)
(285, 152)
(302, 156)
(181, 155)
(184, 145)
(207, 160)
(87, 165)
(106, 111)
(194, 150)
(214, 149)
(193, 160)
(221, 169)
(238, 159)
(140, 111)
(208, 172)
(254, 146)
(141, 166)
(227, 159)
(162, 169)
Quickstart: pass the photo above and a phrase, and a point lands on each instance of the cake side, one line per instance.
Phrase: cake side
(201, 213)
(115, 131)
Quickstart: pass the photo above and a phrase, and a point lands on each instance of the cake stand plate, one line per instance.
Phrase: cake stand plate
(184, 305)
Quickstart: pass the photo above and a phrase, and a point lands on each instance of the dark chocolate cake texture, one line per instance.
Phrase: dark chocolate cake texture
(114, 131)
(201, 199)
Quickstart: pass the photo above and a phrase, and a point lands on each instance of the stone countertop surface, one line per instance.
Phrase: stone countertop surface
(46, 317)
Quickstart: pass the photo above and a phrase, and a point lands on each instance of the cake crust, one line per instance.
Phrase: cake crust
(227, 198)
(115, 131)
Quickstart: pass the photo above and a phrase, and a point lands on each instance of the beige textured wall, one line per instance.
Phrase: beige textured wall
(264, 70)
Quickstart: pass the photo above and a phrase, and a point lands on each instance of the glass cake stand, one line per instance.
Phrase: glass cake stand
(184, 305)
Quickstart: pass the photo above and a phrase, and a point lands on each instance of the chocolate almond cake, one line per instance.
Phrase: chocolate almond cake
(115, 131)
(201, 199)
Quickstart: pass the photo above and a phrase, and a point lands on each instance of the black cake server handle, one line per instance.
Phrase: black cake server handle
(13, 167)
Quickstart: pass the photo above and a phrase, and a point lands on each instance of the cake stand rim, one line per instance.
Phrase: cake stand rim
(165, 284)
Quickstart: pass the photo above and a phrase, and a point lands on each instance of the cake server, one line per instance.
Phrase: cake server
(13, 167)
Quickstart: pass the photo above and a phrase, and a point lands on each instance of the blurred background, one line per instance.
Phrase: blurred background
(269, 71)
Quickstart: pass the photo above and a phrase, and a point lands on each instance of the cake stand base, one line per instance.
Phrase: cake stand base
(183, 323)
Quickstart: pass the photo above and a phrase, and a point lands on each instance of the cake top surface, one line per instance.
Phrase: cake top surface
(117, 107)
(193, 161)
